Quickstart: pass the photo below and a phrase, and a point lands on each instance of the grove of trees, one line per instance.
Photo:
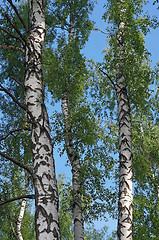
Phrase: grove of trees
(104, 121)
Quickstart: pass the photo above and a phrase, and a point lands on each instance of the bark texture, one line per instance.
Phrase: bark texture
(125, 151)
(76, 166)
(46, 196)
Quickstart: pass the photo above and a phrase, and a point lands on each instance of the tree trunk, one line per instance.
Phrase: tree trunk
(76, 166)
(125, 151)
(22, 210)
(72, 154)
(46, 196)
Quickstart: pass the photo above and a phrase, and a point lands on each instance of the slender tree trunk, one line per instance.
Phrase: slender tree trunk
(76, 166)
(22, 210)
(46, 196)
(125, 151)
(72, 154)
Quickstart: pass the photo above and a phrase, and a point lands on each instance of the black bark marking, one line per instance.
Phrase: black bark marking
(124, 182)
(55, 233)
(123, 158)
(125, 141)
(46, 148)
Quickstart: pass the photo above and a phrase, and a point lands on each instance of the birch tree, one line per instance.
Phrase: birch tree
(124, 69)
(71, 152)
(46, 196)
(69, 54)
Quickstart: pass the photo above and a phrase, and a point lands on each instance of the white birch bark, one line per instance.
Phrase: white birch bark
(46, 196)
(125, 150)
(22, 210)
(20, 218)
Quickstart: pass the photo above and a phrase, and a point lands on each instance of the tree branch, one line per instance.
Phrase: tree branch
(16, 101)
(16, 29)
(12, 47)
(18, 163)
(97, 29)
(18, 198)
(13, 98)
(10, 34)
(15, 130)
(17, 13)
(19, 82)
(108, 77)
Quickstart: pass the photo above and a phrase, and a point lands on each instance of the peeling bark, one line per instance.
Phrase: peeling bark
(125, 150)
(46, 195)
(76, 166)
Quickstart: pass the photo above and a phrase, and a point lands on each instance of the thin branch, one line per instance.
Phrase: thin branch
(17, 13)
(108, 77)
(16, 101)
(15, 130)
(13, 98)
(18, 163)
(97, 29)
(16, 29)
(18, 198)
(12, 47)
(10, 34)
(22, 84)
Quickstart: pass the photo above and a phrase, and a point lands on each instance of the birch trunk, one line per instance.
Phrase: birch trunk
(46, 196)
(72, 155)
(76, 166)
(125, 151)
(22, 210)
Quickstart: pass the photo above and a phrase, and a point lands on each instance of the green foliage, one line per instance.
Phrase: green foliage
(59, 12)
(65, 70)
(146, 177)
(9, 215)
(93, 234)
(65, 213)
(135, 58)
(17, 144)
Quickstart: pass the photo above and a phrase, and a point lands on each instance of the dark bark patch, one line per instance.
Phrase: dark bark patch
(36, 137)
(46, 148)
(55, 233)
(44, 201)
(52, 196)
